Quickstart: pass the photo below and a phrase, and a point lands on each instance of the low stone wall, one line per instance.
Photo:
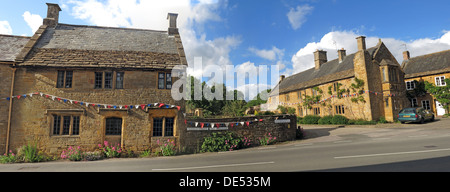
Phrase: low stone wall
(282, 127)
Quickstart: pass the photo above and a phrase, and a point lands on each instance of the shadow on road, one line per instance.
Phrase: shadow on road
(439, 164)
(317, 132)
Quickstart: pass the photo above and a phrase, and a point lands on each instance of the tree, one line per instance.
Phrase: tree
(441, 93)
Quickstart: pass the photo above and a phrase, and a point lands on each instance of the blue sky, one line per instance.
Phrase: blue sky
(249, 33)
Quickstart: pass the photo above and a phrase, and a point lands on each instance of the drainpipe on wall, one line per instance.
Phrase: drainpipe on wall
(10, 108)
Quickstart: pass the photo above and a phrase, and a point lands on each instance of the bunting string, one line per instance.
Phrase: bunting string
(221, 124)
(94, 104)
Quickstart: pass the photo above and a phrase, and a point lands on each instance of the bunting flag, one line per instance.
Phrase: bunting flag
(87, 104)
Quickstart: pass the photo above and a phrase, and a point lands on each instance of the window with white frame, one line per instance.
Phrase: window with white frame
(426, 104)
(410, 85)
(440, 81)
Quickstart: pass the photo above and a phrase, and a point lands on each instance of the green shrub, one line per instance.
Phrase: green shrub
(30, 154)
(299, 120)
(268, 113)
(339, 120)
(325, 120)
(311, 119)
(267, 139)
(364, 122)
(8, 158)
(382, 120)
(221, 141)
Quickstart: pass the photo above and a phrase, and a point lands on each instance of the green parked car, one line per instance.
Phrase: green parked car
(416, 114)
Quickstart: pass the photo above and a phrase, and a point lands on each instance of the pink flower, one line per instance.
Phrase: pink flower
(100, 145)
(105, 143)
(114, 148)
(157, 141)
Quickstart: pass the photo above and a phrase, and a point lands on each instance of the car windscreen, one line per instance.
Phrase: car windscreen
(409, 110)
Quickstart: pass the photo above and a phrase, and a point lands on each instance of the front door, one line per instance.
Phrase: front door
(439, 109)
(113, 130)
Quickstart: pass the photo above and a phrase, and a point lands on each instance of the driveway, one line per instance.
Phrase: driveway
(342, 133)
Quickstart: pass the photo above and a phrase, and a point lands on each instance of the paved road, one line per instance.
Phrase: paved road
(412, 147)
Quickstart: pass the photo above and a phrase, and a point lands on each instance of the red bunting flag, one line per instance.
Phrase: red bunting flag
(201, 125)
(178, 107)
(260, 119)
(75, 102)
(142, 107)
(185, 121)
(126, 106)
(247, 123)
(217, 125)
(161, 104)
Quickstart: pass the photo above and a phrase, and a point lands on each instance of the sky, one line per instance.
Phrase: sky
(248, 34)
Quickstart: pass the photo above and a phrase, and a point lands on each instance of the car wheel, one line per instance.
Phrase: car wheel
(402, 122)
(422, 121)
(432, 118)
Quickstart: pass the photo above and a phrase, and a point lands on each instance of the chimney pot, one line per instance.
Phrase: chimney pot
(282, 77)
(52, 15)
(406, 55)
(341, 54)
(320, 57)
(172, 17)
(361, 41)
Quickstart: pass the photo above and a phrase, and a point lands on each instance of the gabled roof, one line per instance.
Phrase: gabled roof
(10, 46)
(429, 64)
(328, 72)
(91, 46)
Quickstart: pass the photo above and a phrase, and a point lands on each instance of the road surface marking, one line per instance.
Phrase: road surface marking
(417, 135)
(396, 153)
(344, 141)
(214, 166)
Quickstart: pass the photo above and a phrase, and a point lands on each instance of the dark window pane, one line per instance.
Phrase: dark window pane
(76, 125)
(160, 80)
(168, 81)
(98, 80)
(113, 126)
(60, 80)
(56, 124)
(157, 126)
(169, 127)
(66, 125)
(69, 76)
(119, 80)
(108, 80)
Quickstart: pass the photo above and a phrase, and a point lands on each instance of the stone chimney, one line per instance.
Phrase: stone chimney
(341, 54)
(172, 17)
(405, 55)
(281, 78)
(52, 15)
(320, 57)
(361, 40)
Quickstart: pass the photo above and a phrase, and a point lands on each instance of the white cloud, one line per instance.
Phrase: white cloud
(330, 42)
(5, 28)
(269, 54)
(33, 21)
(297, 16)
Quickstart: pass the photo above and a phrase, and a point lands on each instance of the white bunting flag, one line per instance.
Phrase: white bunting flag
(196, 123)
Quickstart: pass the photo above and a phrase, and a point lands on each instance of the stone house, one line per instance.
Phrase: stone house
(368, 84)
(77, 85)
(433, 68)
